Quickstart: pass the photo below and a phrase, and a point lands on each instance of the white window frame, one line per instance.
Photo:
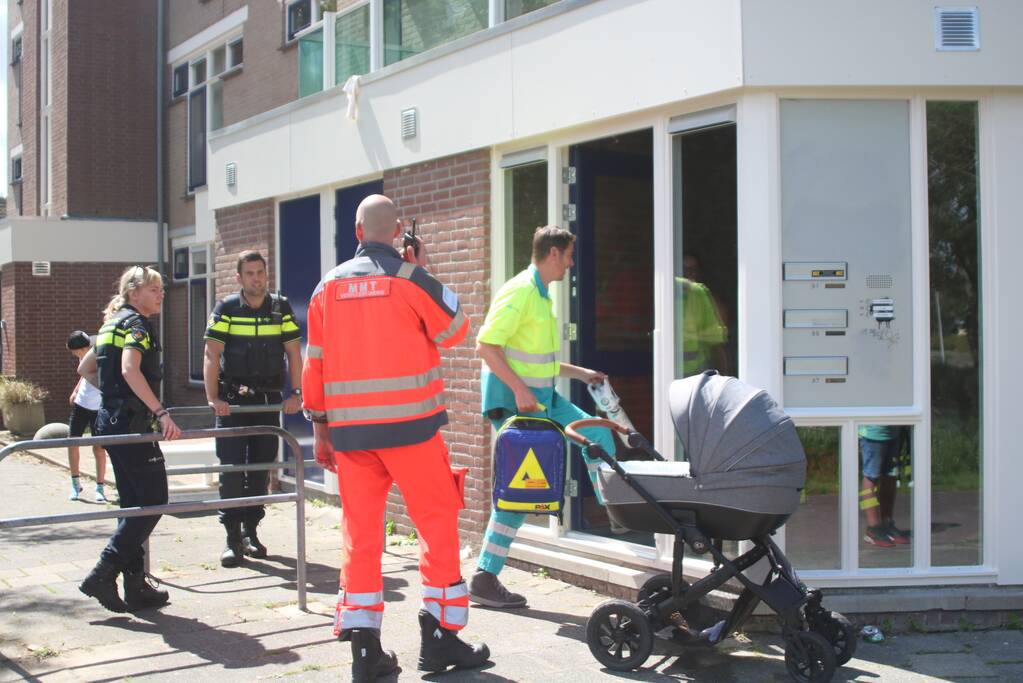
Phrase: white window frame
(211, 81)
(192, 277)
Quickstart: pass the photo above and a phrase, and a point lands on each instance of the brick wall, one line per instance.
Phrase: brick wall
(247, 226)
(40, 312)
(450, 198)
(109, 74)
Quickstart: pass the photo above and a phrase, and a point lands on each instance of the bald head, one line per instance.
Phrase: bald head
(377, 217)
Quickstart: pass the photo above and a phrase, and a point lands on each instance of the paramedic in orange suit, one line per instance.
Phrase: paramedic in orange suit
(372, 387)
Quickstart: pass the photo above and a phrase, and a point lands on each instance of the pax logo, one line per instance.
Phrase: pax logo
(364, 288)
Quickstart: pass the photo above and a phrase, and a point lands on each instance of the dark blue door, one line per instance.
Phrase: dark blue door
(612, 288)
(300, 273)
(346, 202)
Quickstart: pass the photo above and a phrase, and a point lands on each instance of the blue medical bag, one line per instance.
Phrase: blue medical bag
(529, 466)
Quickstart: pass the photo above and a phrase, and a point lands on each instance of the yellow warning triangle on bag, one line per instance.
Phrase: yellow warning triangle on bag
(529, 475)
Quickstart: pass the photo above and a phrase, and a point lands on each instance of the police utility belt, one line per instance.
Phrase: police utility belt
(132, 412)
(231, 389)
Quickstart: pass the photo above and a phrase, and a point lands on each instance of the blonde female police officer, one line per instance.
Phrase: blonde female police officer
(128, 357)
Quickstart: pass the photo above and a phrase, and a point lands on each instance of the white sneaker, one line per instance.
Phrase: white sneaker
(100, 497)
(76, 491)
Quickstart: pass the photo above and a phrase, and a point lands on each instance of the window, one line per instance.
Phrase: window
(525, 206)
(516, 8)
(218, 60)
(414, 26)
(198, 72)
(351, 44)
(191, 265)
(956, 362)
(16, 50)
(310, 63)
(197, 138)
(300, 16)
(235, 53)
(179, 80)
(16, 169)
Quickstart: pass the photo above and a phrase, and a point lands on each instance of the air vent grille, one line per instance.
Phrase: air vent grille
(409, 124)
(956, 29)
(879, 281)
(232, 174)
(41, 268)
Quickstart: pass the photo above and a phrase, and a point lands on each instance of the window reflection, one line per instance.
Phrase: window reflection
(812, 535)
(954, 232)
(886, 495)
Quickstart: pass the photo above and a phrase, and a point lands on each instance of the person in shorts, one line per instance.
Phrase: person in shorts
(85, 402)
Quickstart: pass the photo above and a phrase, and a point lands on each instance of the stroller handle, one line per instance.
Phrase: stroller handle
(570, 428)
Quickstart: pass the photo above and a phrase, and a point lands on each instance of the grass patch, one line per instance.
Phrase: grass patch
(542, 573)
(317, 503)
(390, 527)
(1013, 623)
(887, 627)
(208, 566)
(965, 624)
(915, 626)
(41, 653)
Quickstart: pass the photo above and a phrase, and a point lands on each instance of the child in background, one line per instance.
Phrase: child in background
(85, 403)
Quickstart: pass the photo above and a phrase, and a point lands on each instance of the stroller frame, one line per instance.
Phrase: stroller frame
(817, 641)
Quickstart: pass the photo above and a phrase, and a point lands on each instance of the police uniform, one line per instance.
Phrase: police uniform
(251, 373)
(139, 467)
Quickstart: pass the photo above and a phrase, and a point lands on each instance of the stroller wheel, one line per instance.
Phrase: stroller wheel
(810, 658)
(837, 630)
(619, 635)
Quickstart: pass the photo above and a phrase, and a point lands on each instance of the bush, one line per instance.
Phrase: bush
(15, 391)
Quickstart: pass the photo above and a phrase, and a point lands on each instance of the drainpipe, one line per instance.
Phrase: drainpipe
(160, 57)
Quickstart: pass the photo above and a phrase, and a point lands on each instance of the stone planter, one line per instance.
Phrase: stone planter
(23, 419)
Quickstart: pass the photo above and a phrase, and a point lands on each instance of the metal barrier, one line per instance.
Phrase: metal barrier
(298, 496)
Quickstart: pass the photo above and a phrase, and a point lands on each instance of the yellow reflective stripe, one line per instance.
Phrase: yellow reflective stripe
(220, 326)
(116, 338)
(386, 411)
(289, 326)
(868, 503)
(253, 331)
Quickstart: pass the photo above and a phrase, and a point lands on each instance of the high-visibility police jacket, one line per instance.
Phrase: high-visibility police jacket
(128, 329)
(253, 340)
(521, 320)
(372, 368)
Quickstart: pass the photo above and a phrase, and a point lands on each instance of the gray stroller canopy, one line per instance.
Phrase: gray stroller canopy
(735, 435)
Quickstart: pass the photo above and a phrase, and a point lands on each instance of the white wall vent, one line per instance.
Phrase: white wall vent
(409, 124)
(232, 174)
(956, 29)
(41, 268)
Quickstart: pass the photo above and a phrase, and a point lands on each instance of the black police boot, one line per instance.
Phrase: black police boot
(101, 583)
(232, 555)
(441, 648)
(369, 660)
(141, 593)
(250, 543)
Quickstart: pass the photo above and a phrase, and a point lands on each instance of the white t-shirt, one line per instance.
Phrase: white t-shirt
(88, 396)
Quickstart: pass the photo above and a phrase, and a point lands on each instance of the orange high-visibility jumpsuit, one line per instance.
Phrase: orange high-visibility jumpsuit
(372, 373)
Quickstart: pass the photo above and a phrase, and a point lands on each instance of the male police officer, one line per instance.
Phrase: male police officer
(249, 334)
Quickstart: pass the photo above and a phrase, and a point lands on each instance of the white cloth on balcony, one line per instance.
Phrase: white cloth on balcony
(351, 89)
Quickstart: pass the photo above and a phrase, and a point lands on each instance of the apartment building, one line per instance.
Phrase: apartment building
(81, 131)
(839, 178)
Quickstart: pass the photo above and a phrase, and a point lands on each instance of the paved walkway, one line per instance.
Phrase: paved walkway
(243, 624)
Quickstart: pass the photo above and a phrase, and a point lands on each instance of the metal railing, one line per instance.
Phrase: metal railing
(297, 496)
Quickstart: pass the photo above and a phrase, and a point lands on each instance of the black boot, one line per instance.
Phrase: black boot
(441, 648)
(250, 543)
(369, 660)
(101, 583)
(232, 555)
(140, 593)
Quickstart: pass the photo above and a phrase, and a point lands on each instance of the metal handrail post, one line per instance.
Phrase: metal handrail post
(146, 511)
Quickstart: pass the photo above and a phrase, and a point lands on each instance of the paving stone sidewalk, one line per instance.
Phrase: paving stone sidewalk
(244, 625)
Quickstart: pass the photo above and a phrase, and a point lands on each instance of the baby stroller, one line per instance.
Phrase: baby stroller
(743, 478)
